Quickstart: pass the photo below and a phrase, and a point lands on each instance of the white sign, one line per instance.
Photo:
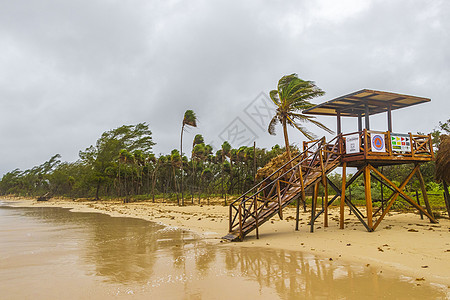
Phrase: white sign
(377, 142)
(352, 143)
(400, 142)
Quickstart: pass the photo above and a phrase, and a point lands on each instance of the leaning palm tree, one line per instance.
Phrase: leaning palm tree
(291, 97)
(189, 120)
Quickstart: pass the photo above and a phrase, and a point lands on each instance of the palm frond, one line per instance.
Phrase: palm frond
(303, 130)
(275, 97)
(190, 118)
(305, 118)
(272, 123)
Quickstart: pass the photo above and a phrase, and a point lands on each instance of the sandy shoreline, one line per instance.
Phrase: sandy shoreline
(403, 243)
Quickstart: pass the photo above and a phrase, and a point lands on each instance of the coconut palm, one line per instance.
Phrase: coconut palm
(175, 161)
(189, 120)
(291, 97)
(224, 152)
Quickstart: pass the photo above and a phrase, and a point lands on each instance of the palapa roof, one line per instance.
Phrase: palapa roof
(353, 105)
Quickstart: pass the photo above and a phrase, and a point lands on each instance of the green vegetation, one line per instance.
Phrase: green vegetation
(121, 164)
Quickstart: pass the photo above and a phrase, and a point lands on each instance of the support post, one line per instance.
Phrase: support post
(360, 123)
(300, 171)
(368, 195)
(325, 189)
(366, 115)
(256, 216)
(389, 118)
(418, 203)
(313, 205)
(344, 179)
(424, 192)
(339, 128)
(280, 212)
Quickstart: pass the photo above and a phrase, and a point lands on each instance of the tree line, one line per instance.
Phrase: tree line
(121, 163)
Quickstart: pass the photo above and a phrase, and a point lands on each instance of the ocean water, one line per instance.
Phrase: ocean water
(52, 253)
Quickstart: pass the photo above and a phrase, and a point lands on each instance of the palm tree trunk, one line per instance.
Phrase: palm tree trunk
(119, 179)
(286, 139)
(181, 156)
(175, 184)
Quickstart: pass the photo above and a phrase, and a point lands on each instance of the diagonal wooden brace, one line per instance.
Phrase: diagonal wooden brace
(399, 191)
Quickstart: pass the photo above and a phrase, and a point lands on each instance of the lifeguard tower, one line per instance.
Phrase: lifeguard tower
(365, 149)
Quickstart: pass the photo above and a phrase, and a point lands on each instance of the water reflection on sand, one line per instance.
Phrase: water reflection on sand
(94, 255)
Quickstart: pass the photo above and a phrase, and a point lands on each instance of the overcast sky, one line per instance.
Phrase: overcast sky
(70, 70)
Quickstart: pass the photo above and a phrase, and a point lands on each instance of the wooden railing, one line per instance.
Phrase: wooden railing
(415, 145)
(268, 197)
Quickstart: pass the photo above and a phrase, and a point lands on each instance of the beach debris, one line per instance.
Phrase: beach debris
(330, 259)
(367, 265)
(413, 230)
(381, 250)
(420, 279)
(424, 267)
(349, 244)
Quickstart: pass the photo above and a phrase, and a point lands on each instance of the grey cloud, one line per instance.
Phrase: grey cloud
(72, 70)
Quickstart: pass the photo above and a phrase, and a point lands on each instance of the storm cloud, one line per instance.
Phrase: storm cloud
(70, 70)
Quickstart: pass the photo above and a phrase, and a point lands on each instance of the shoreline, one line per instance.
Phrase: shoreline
(413, 248)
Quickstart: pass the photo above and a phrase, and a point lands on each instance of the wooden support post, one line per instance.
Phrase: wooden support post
(230, 221)
(382, 197)
(256, 216)
(368, 196)
(302, 186)
(297, 214)
(344, 179)
(241, 235)
(418, 203)
(325, 188)
(313, 205)
(424, 192)
(366, 115)
(389, 118)
(360, 123)
(339, 126)
(280, 212)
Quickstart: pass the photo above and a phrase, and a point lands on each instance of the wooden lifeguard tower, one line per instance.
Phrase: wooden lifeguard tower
(365, 149)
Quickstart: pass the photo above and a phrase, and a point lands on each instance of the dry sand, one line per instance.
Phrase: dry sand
(402, 243)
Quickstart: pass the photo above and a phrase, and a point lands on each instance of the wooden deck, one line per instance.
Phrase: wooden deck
(415, 149)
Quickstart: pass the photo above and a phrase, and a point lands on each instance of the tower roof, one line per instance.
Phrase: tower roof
(354, 104)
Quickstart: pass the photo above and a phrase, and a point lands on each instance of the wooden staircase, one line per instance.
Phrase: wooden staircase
(283, 186)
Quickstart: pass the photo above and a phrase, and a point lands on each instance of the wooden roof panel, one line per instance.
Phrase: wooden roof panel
(353, 104)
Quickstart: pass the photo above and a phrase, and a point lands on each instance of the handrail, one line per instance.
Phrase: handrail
(253, 195)
(268, 177)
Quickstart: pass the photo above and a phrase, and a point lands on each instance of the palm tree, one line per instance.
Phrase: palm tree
(175, 161)
(291, 97)
(225, 151)
(123, 154)
(189, 120)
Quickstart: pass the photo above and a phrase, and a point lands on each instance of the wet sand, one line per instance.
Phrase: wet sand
(403, 243)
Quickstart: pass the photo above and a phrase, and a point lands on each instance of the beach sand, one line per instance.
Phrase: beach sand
(403, 243)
